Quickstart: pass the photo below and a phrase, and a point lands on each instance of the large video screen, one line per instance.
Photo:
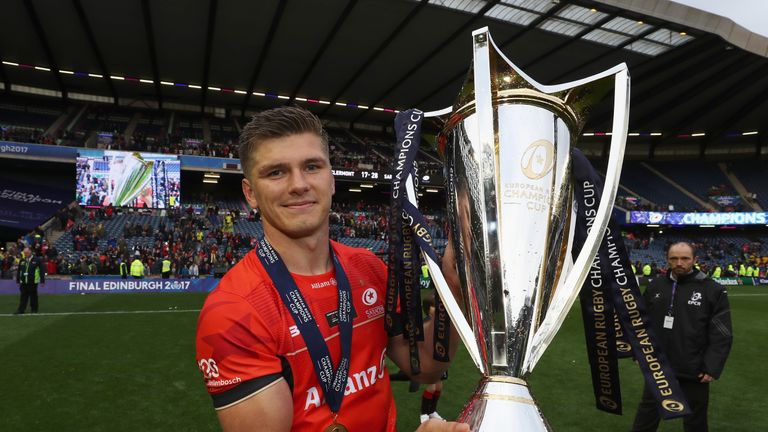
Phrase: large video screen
(128, 179)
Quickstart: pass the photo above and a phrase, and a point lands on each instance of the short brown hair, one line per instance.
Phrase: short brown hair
(684, 243)
(277, 123)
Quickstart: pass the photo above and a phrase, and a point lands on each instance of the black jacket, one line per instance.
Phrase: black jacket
(701, 336)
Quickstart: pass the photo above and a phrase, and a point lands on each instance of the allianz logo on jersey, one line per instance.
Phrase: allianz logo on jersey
(323, 284)
(356, 381)
(695, 299)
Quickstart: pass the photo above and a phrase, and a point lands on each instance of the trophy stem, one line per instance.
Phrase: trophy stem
(503, 403)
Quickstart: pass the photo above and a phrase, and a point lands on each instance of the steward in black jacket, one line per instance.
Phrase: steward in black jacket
(701, 334)
(690, 314)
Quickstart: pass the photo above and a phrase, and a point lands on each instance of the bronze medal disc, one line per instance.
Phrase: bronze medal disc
(336, 427)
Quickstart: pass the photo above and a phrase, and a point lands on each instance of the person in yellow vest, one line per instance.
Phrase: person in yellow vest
(716, 272)
(124, 268)
(750, 271)
(742, 270)
(647, 270)
(30, 274)
(425, 279)
(731, 271)
(137, 267)
(166, 268)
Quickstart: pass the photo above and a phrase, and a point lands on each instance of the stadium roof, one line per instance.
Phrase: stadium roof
(356, 60)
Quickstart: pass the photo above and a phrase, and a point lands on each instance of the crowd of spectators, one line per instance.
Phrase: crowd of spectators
(24, 134)
(174, 144)
(711, 252)
(360, 220)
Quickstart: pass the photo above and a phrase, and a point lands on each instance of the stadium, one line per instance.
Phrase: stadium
(119, 141)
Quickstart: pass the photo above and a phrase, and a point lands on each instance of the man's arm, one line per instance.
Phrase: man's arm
(720, 335)
(270, 410)
(431, 369)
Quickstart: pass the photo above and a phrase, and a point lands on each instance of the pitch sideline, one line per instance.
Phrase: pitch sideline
(105, 312)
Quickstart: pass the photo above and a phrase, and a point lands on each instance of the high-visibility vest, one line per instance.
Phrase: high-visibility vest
(647, 270)
(123, 268)
(634, 269)
(742, 270)
(716, 272)
(137, 268)
(24, 269)
(750, 271)
(731, 269)
(425, 271)
(166, 265)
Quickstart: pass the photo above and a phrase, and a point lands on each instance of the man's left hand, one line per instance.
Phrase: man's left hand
(435, 425)
(705, 378)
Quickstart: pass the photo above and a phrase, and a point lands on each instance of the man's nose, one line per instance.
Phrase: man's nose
(298, 181)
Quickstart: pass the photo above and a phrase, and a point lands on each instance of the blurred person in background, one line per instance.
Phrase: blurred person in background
(30, 274)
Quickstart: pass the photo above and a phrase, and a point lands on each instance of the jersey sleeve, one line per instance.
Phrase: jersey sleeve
(720, 332)
(236, 351)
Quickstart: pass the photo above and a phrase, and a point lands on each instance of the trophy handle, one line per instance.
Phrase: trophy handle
(452, 307)
(565, 296)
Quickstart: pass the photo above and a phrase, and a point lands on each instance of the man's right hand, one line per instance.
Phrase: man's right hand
(436, 425)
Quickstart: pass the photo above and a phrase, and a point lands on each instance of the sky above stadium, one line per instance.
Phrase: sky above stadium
(750, 14)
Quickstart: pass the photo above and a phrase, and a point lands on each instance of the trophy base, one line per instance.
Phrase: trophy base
(503, 403)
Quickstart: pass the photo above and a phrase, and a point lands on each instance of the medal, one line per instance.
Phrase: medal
(336, 426)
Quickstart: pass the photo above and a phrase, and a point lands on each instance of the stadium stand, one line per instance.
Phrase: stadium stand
(636, 177)
(697, 177)
(752, 174)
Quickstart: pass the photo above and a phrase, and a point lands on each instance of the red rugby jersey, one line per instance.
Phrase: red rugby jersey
(247, 339)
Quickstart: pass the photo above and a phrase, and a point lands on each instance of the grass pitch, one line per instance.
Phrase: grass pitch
(93, 366)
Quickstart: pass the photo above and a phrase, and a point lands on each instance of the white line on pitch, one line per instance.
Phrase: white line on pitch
(106, 312)
(747, 295)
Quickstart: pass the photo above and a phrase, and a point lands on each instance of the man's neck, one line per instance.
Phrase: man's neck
(304, 256)
(674, 276)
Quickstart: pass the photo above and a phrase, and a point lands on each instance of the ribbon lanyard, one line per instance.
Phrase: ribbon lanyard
(332, 382)
(671, 307)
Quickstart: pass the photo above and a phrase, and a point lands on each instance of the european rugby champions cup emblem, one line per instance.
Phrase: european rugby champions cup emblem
(507, 144)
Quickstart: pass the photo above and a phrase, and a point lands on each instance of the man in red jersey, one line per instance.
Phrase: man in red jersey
(293, 337)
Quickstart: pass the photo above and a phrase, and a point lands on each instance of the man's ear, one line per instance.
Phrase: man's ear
(248, 192)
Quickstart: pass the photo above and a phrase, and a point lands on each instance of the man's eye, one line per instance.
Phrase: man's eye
(274, 173)
(313, 167)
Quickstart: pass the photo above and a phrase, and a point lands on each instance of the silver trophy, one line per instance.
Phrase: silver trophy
(507, 143)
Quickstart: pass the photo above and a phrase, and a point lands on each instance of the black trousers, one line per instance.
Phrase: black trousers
(28, 294)
(697, 394)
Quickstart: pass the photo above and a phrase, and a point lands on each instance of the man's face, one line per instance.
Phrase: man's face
(681, 260)
(26, 252)
(291, 185)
